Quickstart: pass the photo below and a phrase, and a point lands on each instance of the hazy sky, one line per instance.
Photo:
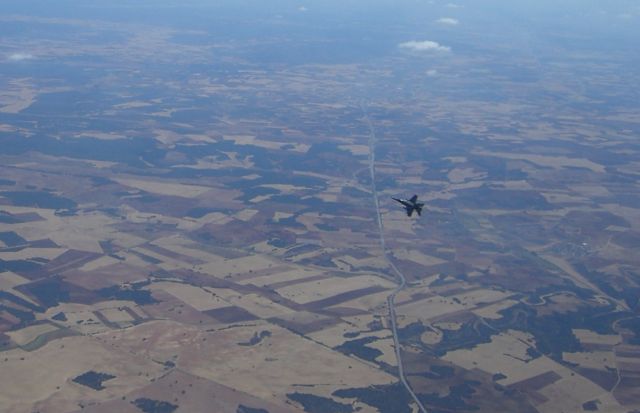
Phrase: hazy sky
(371, 27)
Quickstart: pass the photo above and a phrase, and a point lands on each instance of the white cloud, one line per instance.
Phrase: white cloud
(17, 57)
(302, 8)
(432, 72)
(449, 21)
(424, 46)
(453, 6)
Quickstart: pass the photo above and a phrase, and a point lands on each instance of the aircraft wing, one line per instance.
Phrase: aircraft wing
(413, 199)
(402, 201)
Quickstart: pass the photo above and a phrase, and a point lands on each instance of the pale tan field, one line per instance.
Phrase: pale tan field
(591, 337)
(28, 334)
(106, 260)
(17, 103)
(316, 290)
(277, 216)
(285, 188)
(373, 302)
(82, 232)
(178, 243)
(213, 218)
(198, 298)
(253, 303)
(429, 308)
(9, 280)
(118, 316)
(448, 326)
(129, 258)
(506, 354)
(85, 323)
(260, 198)
(405, 296)
(406, 180)
(387, 348)
(628, 363)
(4, 127)
(229, 267)
(475, 297)
(396, 221)
(451, 189)
(361, 322)
(357, 150)
(349, 264)
(164, 188)
(577, 277)
(632, 215)
(263, 247)
(591, 190)
(402, 321)
(550, 161)
(135, 216)
(246, 214)
(344, 238)
(100, 135)
(133, 104)
(303, 317)
(28, 253)
(254, 141)
(516, 185)
(571, 392)
(125, 240)
(563, 197)
(265, 370)
(599, 360)
(283, 360)
(213, 163)
(431, 337)
(285, 275)
(389, 169)
(149, 253)
(356, 263)
(309, 255)
(418, 257)
(334, 335)
(26, 385)
(20, 95)
(310, 220)
(121, 273)
(190, 393)
(329, 196)
(81, 317)
(459, 175)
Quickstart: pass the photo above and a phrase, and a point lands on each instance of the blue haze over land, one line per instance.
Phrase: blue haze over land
(525, 108)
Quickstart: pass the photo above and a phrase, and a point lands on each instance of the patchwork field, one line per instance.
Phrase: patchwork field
(188, 219)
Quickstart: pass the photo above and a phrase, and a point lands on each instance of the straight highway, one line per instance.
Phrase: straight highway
(400, 278)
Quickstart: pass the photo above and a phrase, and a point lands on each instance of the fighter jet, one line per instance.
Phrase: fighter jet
(411, 205)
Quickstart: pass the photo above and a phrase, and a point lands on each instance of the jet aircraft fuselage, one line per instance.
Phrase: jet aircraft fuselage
(411, 205)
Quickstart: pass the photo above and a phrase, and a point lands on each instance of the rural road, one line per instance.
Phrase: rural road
(400, 278)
